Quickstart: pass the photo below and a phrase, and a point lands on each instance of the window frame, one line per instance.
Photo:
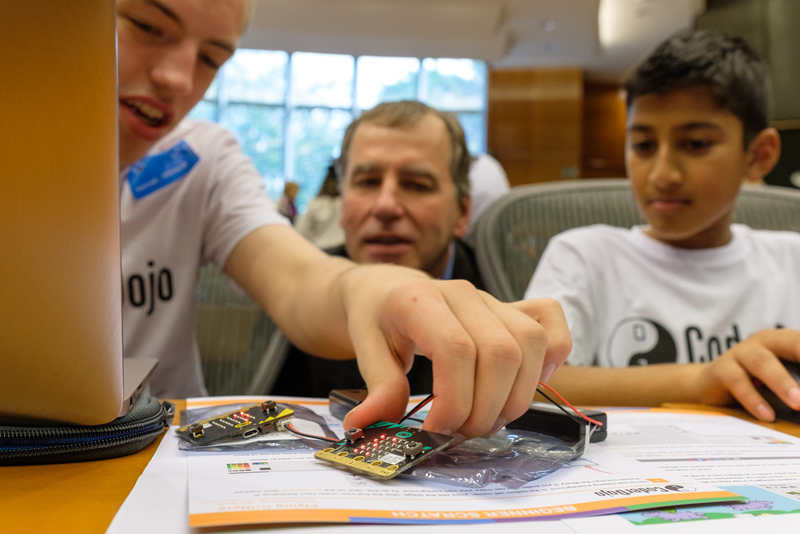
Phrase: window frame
(221, 102)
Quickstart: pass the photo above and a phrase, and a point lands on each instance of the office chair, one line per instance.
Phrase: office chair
(241, 348)
(514, 231)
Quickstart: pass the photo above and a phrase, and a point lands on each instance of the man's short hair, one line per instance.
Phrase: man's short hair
(736, 75)
(408, 112)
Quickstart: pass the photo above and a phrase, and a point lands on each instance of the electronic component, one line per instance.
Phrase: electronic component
(550, 420)
(782, 410)
(247, 422)
(344, 400)
(383, 450)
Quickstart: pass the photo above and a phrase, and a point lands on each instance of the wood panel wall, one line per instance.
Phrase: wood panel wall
(550, 124)
(603, 132)
(534, 123)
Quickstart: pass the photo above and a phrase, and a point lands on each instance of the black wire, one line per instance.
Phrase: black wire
(291, 429)
(425, 401)
(416, 408)
(573, 416)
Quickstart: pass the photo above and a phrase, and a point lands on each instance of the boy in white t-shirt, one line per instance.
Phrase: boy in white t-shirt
(690, 287)
(189, 195)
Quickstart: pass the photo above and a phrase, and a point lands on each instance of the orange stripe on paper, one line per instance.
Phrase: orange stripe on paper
(343, 516)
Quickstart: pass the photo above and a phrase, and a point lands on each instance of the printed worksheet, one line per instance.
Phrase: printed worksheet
(288, 485)
(761, 464)
(710, 447)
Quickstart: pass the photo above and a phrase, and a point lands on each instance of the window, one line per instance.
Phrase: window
(289, 112)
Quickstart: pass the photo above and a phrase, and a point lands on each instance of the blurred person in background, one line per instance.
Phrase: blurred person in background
(286, 205)
(320, 222)
(488, 182)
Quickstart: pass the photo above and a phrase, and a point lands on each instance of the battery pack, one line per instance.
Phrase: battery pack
(548, 419)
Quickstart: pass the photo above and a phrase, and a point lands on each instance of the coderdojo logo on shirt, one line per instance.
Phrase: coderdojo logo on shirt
(146, 289)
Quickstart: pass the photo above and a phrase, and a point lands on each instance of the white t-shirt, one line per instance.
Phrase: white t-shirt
(487, 182)
(632, 300)
(320, 223)
(181, 221)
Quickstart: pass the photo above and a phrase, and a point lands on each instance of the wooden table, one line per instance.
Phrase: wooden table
(65, 498)
(84, 497)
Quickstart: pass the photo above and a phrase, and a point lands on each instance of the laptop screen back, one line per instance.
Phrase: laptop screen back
(60, 292)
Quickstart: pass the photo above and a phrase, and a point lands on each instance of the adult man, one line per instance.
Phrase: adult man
(195, 197)
(405, 200)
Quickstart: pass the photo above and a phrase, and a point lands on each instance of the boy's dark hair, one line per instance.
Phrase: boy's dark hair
(726, 64)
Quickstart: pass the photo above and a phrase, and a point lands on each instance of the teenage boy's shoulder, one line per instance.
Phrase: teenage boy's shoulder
(782, 245)
(571, 256)
(592, 242)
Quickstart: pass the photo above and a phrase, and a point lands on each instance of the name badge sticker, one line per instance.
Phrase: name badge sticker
(151, 173)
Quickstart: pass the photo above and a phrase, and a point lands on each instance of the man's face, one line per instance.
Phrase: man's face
(686, 162)
(398, 198)
(169, 52)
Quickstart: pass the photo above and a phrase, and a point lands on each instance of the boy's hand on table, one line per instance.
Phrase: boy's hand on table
(758, 357)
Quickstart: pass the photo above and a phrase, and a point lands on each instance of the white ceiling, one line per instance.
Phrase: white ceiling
(603, 37)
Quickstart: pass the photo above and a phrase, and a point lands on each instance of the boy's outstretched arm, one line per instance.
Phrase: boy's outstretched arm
(650, 385)
(487, 356)
(720, 382)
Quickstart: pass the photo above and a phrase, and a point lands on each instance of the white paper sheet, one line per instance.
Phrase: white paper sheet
(749, 459)
(159, 502)
(256, 487)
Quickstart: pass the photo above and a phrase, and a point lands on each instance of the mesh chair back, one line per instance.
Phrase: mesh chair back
(768, 207)
(241, 349)
(515, 230)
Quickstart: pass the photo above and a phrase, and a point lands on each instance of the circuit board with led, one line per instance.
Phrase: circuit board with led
(383, 450)
(246, 422)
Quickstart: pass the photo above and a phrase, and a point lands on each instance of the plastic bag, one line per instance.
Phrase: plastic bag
(511, 458)
(272, 440)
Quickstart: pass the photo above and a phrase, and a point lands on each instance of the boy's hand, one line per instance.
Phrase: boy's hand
(487, 356)
(758, 357)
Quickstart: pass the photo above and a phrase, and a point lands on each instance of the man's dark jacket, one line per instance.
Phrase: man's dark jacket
(304, 375)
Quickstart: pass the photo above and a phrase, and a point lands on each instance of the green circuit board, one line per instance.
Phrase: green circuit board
(247, 422)
(383, 450)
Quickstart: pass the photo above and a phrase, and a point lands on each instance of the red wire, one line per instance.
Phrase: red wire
(312, 436)
(565, 401)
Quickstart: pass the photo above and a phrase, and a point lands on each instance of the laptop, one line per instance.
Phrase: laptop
(60, 275)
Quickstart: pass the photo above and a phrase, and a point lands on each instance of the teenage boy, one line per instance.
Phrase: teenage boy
(663, 307)
(189, 195)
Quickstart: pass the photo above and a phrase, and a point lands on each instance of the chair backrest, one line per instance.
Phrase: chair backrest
(515, 230)
(241, 349)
